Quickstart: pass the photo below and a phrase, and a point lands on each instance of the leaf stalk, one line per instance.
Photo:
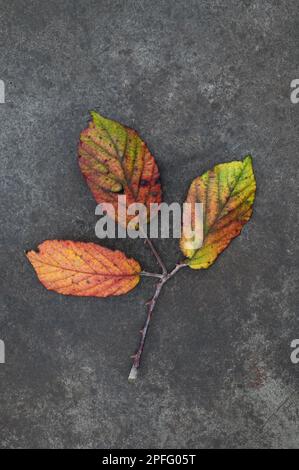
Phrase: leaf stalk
(154, 251)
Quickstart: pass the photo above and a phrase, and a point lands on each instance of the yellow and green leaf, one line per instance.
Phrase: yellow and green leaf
(227, 193)
(115, 161)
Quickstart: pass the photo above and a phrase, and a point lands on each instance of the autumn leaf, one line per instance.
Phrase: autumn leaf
(227, 193)
(84, 269)
(115, 161)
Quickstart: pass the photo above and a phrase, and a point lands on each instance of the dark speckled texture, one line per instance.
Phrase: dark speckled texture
(203, 82)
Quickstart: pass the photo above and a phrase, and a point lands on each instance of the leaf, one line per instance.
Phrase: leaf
(84, 269)
(115, 161)
(227, 193)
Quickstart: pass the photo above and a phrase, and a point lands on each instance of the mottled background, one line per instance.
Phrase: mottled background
(203, 82)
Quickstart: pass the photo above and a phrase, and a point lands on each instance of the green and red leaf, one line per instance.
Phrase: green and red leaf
(115, 161)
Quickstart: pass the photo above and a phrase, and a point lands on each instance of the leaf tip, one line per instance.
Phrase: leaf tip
(248, 159)
(97, 118)
(94, 114)
(28, 253)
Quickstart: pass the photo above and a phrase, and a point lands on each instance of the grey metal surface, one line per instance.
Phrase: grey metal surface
(203, 82)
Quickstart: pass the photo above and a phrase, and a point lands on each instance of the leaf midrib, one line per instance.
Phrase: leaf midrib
(86, 272)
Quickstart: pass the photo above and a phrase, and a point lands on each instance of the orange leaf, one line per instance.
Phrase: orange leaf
(115, 161)
(84, 269)
(227, 193)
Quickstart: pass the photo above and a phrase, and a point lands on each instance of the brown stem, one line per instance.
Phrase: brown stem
(153, 249)
(147, 274)
(151, 304)
(156, 255)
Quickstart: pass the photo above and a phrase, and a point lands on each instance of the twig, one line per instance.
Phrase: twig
(151, 304)
(156, 254)
(154, 251)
